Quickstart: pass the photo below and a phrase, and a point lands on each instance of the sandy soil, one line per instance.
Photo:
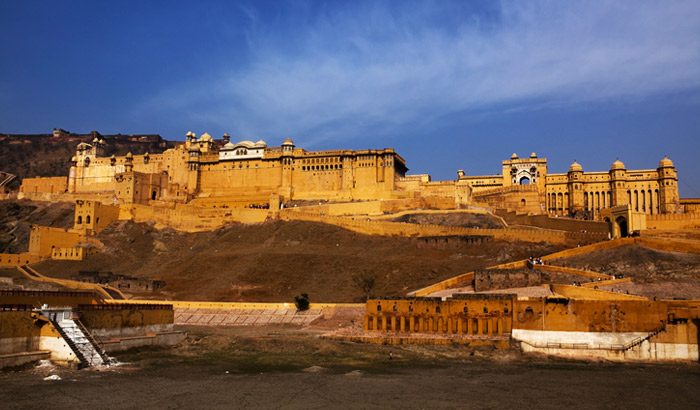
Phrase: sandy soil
(289, 368)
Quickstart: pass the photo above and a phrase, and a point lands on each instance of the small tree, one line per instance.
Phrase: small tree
(302, 302)
(365, 281)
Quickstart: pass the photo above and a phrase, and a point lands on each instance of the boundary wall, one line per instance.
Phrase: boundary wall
(190, 218)
(179, 304)
(673, 221)
(659, 244)
(372, 227)
(548, 222)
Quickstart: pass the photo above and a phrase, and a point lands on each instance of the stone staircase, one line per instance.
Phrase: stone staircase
(85, 347)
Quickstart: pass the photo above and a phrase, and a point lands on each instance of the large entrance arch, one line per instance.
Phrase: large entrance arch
(524, 181)
(621, 222)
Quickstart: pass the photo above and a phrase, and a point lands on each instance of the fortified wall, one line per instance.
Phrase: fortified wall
(232, 178)
(618, 329)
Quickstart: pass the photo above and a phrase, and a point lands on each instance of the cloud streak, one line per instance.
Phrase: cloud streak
(336, 73)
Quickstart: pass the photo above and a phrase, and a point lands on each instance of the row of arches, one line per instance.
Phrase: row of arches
(322, 167)
(645, 201)
(439, 324)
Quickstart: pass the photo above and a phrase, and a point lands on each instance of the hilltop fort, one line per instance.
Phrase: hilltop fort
(212, 185)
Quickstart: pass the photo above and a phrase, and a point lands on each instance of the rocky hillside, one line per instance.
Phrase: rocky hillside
(17, 218)
(277, 260)
(28, 156)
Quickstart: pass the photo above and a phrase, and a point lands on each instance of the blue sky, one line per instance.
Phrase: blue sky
(449, 85)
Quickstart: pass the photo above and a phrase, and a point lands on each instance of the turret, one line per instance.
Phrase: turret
(668, 186)
(129, 162)
(618, 183)
(575, 176)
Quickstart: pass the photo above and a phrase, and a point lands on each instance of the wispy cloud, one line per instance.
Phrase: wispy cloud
(338, 72)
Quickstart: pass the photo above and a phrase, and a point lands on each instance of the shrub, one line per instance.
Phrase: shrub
(302, 302)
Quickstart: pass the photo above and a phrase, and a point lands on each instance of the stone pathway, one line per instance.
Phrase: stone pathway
(244, 317)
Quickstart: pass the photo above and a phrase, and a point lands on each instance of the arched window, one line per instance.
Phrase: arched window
(87, 219)
(80, 219)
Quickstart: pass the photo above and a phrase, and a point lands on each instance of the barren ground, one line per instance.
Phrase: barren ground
(666, 275)
(286, 367)
(277, 260)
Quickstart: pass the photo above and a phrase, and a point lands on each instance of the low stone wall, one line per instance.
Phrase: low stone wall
(490, 279)
(450, 242)
(547, 222)
(245, 317)
(18, 359)
(124, 320)
(371, 227)
(158, 339)
(620, 347)
(190, 218)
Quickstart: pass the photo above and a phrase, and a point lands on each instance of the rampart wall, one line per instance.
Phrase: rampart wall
(44, 185)
(189, 218)
(673, 221)
(38, 298)
(489, 279)
(660, 244)
(16, 259)
(548, 222)
(371, 227)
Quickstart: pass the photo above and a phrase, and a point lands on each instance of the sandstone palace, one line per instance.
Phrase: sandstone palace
(219, 173)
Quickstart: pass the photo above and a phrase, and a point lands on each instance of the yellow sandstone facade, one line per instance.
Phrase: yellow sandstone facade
(526, 185)
(208, 173)
(237, 174)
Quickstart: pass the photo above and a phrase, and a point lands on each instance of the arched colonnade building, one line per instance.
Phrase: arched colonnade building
(578, 193)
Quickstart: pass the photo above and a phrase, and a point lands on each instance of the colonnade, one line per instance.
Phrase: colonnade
(473, 325)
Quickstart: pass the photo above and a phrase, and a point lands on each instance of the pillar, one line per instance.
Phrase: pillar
(402, 322)
(375, 322)
(383, 323)
(366, 324)
(393, 323)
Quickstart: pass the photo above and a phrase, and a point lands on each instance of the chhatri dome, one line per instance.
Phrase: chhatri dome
(665, 162)
(617, 165)
(575, 167)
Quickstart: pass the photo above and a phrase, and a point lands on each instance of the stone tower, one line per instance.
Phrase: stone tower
(575, 176)
(618, 183)
(668, 186)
